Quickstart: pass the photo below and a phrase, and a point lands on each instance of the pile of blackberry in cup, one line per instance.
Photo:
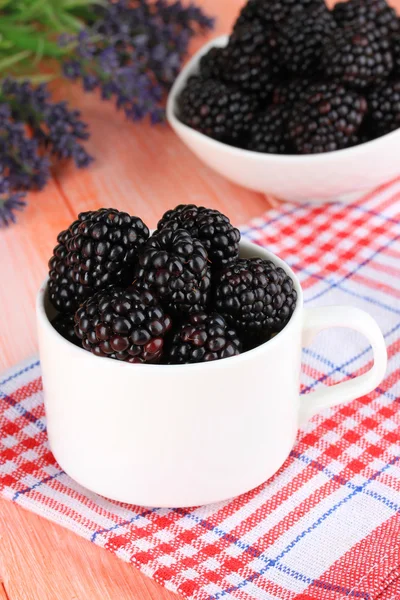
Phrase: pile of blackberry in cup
(181, 295)
(298, 78)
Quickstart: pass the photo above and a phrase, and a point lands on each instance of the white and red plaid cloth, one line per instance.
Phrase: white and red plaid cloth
(327, 525)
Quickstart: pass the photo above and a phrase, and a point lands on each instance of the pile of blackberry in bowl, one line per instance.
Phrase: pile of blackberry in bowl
(298, 78)
(180, 295)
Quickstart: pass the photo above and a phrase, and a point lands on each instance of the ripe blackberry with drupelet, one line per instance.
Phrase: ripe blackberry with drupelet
(65, 325)
(211, 227)
(65, 293)
(202, 338)
(395, 47)
(276, 12)
(104, 248)
(357, 56)
(384, 108)
(327, 118)
(268, 133)
(99, 249)
(256, 297)
(215, 109)
(247, 14)
(124, 324)
(377, 12)
(287, 93)
(301, 40)
(212, 63)
(251, 60)
(175, 267)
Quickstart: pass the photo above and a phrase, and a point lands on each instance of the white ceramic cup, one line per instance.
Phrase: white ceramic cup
(185, 435)
(341, 175)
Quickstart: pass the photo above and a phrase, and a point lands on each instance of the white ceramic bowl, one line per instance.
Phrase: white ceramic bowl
(341, 175)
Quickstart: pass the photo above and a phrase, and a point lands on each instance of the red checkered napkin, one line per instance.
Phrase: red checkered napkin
(327, 525)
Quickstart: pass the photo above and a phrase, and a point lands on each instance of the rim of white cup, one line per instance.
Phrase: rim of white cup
(286, 331)
(191, 67)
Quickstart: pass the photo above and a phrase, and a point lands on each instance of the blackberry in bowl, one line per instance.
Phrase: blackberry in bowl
(325, 118)
(174, 266)
(212, 228)
(202, 338)
(256, 297)
(216, 109)
(99, 249)
(124, 324)
(333, 151)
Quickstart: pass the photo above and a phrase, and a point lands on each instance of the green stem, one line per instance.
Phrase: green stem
(32, 42)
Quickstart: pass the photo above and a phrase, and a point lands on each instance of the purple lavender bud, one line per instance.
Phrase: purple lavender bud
(8, 206)
(20, 156)
(72, 69)
(55, 130)
(81, 158)
(133, 52)
(65, 39)
(108, 60)
(90, 82)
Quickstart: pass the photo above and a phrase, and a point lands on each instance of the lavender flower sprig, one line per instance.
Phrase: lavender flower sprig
(133, 51)
(21, 165)
(33, 132)
(54, 126)
(8, 206)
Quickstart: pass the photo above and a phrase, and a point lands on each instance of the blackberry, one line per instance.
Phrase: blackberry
(268, 132)
(384, 108)
(301, 40)
(65, 293)
(358, 56)
(212, 63)
(326, 118)
(175, 267)
(65, 324)
(215, 109)
(212, 228)
(395, 46)
(251, 61)
(248, 14)
(288, 92)
(256, 297)
(124, 324)
(104, 247)
(377, 12)
(363, 137)
(275, 12)
(203, 338)
(99, 249)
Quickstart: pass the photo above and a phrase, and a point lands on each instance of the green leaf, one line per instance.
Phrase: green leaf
(34, 10)
(33, 42)
(5, 44)
(13, 25)
(54, 19)
(72, 4)
(36, 79)
(70, 22)
(6, 63)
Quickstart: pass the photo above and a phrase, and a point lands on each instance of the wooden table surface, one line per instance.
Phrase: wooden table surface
(141, 170)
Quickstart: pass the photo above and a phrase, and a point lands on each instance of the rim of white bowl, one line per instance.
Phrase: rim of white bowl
(191, 68)
(44, 321)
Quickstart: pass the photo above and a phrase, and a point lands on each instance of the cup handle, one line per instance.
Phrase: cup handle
(316, 319)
